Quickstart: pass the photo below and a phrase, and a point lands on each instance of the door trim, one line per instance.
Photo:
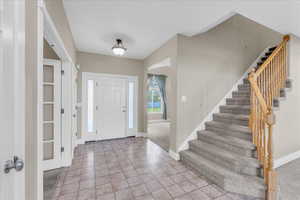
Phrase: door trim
(90, 75)
(46, 29)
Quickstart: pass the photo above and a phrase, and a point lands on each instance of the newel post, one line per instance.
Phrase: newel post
(271, 174)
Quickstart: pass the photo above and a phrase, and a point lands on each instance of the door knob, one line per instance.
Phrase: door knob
(16, 164)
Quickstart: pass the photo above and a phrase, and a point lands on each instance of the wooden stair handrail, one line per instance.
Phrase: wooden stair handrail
(286, 38)
(254, 87)
(266, 83)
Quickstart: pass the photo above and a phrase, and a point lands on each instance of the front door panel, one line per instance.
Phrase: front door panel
(111, 108)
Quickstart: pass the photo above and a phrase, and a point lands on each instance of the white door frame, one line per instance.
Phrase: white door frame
(94, 76)
(48, 30)
(75, 107)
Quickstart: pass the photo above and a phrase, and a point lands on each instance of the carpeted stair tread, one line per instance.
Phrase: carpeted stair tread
(226, 158)
(235, 109)
(226, 139)
(238, 101)
(232, 127)
(229, 180)
(231, 118)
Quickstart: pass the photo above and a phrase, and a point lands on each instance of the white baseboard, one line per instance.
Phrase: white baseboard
(286, 159)
(209, 117)
(174, 155)
(67, 162)
(141, 134)
(80, 141)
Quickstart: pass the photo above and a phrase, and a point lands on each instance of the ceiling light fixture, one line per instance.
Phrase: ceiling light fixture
(118, 49)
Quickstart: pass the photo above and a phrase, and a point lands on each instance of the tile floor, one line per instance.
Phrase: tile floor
(289, 181)
(159, 132)
(132, 169)
(50, 181)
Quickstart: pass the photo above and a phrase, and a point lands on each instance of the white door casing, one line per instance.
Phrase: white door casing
(12, 96)
(74, 107)
(51, 114)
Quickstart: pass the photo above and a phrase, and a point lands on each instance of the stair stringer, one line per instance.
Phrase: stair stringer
(209, 116)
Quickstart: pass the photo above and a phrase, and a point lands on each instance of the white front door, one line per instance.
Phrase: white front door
(111, 108)
(12, 100)
(51, 114)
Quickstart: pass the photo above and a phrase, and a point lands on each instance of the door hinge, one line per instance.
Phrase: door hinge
(62, 149)
(62, 72)
(62, 111)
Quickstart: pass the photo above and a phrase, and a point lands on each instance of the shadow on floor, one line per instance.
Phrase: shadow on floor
(51, 178)
(159, 133)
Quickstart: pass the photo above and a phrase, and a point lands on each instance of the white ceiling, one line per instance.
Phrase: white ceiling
(144, 25)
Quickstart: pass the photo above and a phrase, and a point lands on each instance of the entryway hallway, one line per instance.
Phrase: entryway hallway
(132, 169)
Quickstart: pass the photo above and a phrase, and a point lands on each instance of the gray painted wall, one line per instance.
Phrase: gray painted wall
(49, 52)
(209, 64)
(58, 15)
(98, 63)
(168, 50)
(286, 129)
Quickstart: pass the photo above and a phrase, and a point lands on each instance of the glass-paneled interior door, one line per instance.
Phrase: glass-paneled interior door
(51, 114)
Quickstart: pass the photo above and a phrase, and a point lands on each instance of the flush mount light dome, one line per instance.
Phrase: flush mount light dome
(118, 49)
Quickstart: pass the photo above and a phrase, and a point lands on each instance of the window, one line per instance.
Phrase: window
(154, 98)
(90, 90)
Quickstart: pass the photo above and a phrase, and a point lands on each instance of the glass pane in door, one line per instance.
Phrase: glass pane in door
(130, 104)
(90, 90)
(48, 150)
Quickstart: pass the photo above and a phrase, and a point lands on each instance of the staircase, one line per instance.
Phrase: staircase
(225, 152)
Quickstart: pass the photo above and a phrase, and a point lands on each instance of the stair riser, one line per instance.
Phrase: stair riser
(242, 111)
(246, 81)
(288, 84)
(244, 87)
(229, 164)
(226, 146)
(282, 93)
(221, 181)
(241, 135)
(241, 94)
(245, 90)
(231, 121)
(237, 101)
(210, 175)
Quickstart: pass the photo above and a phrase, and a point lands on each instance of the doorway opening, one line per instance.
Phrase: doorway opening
(159, 125)
(109, 106)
